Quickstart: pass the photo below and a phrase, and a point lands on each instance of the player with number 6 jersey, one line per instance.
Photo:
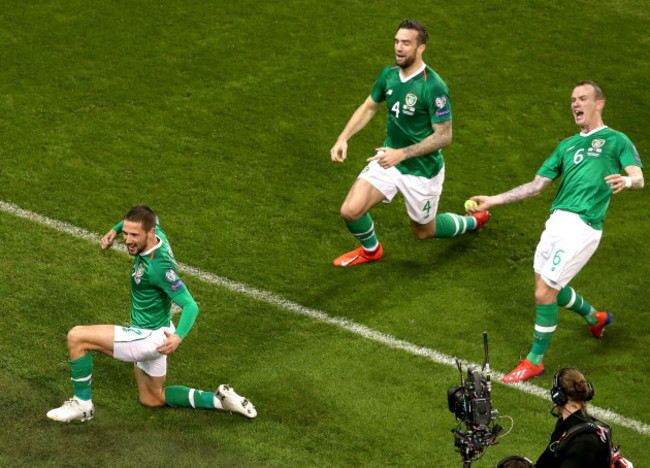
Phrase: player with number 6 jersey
(410, 159)
(583, 161)
(589, 164)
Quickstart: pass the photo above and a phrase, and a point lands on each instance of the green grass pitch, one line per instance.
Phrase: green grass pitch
(220, 117)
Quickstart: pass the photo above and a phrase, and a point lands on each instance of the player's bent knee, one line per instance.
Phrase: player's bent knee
(423, 235)
(543, 298)
(545, 295)
(422, 232)
(349, 214)
(151, 401)
(74, 335)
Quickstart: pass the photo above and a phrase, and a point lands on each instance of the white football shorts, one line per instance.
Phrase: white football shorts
(566, 245)
(139, 345)
(421, 194)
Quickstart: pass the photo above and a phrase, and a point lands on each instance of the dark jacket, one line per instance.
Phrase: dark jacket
(585, 450)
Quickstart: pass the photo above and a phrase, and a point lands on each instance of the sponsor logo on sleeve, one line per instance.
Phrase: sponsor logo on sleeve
(178, 284)
(441, 102)
(171, 276)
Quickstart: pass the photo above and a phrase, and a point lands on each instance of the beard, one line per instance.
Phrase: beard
(407, 61)
(139, 248)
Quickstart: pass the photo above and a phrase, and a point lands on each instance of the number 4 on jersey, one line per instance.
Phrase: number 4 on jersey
(395, 109)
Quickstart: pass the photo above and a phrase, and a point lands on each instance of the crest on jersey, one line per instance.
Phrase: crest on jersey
(411, 99)
(440, 102)
(596, 147)
(138, 272)
(171, 276)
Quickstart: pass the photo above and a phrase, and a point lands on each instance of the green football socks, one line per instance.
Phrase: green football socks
(447, 225)
(452, 225)
(568, 298)
(364, 230)
(81, 371)
(545, 325)
(185, 397)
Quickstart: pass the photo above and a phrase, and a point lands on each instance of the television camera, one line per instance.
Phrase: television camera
(471, 402)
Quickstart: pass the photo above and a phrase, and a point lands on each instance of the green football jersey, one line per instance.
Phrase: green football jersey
(583, 161)
(413, 105)
(155, 284)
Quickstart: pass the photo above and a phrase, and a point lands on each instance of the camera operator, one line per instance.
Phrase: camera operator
(574, 449)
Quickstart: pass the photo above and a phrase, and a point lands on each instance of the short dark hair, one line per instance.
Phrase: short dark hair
(142, 214)
(423, 35)
(598, 92)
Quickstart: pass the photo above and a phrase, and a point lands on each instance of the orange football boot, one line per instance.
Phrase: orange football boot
(524, 371)
(359, 255)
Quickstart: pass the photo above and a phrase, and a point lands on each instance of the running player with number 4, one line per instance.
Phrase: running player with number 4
(589, 164)
(410, 161)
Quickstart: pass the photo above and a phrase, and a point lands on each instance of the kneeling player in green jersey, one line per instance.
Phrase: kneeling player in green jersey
(410, 161)
(151, 337)
(589, 164)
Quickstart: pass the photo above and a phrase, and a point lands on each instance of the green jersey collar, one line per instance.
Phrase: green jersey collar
(160, 242)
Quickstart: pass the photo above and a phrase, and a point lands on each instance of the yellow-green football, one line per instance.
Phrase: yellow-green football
(469, 204)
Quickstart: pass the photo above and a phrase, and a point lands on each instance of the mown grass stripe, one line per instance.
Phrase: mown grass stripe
(340, 322)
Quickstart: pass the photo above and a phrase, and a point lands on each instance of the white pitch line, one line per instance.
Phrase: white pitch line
(340, 322)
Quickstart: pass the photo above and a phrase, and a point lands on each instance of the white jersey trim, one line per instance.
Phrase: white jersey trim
(152, 248)
(405, 79)
(583, 134)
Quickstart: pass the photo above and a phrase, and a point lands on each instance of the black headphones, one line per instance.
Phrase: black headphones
(558, 394)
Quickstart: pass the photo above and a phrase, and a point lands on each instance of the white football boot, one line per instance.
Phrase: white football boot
(233, 402)
(73, 409)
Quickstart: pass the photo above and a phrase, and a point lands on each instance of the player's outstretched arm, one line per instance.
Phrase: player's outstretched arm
(531, 189)
(359, 119)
